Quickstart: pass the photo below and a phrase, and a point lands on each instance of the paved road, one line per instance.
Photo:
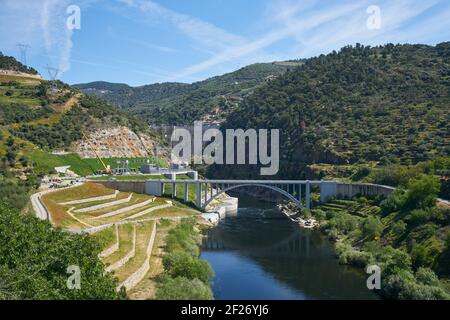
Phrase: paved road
(39, 208)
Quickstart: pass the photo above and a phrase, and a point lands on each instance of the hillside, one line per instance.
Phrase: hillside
(38, 118)
(11, 64)
(180, 103)
(388, 104)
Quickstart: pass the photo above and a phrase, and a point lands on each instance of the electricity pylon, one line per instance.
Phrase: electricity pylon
(23, 52)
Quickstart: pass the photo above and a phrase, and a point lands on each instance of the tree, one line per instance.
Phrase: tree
(422, 192)
(34, 259)
(372, 227)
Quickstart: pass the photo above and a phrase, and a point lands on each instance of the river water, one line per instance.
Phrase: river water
(260, 254)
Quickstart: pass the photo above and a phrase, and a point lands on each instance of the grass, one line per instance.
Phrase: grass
(106, 237)
(45, 162)
(29, 81)
(125, 244)
(143, 232)
(87, 190)
(129, 178)
(133, 163)
(146, 289)
(59, 215)
(170, 212)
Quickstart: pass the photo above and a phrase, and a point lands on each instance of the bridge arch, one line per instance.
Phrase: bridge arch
(267, 186)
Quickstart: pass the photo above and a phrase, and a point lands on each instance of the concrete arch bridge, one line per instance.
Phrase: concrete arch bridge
(206, 191)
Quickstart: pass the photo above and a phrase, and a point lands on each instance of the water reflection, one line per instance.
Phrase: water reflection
(261, 255)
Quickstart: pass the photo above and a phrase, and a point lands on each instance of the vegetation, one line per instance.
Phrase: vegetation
(406, 235)
(185, 277)
(179, 103)
(34, 259)
(360, 104)
(9, 63)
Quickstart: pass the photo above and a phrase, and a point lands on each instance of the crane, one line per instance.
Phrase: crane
(106, 168)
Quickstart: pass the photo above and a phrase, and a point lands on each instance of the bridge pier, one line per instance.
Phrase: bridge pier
(198, 194)
(186, 192)
(307, 196)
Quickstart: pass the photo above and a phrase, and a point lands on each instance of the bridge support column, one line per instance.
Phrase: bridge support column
(174, 190)
(206, 192)
(186, 192)
(307, 196)
(300, 192)
(198, 195)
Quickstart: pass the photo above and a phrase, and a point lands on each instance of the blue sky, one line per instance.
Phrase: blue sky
(146, 41)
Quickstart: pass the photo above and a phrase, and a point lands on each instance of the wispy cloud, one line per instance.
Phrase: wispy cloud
(319, 28)
(202, 32)
(40, 23)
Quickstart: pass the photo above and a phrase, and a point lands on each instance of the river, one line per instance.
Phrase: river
(260, 254)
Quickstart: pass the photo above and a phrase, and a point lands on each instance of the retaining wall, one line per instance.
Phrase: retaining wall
(140, 273)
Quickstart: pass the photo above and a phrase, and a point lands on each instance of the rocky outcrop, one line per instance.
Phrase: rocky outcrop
(115, 142)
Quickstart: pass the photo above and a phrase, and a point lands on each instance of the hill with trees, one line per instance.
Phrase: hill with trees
(388, 104)
(180, 103)
(9, 63)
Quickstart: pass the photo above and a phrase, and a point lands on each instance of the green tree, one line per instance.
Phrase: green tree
(422, 192)
(372, 227)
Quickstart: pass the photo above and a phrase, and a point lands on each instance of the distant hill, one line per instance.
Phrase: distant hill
(388, 103)
(180, 103)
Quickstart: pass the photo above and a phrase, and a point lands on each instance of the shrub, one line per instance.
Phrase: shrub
(399, 228)
(422, 193)
(34, 259)
(181, 264)
(183, 289)
(394, 202)
(372, 227)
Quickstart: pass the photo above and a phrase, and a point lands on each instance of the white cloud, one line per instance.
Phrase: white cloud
(42, 25)
(202, 32)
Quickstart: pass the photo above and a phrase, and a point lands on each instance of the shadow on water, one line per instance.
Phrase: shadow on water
(259, 254)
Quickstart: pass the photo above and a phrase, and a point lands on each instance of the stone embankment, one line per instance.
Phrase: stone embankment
(86, 200)
(121, 262)
(126, 209)
(140, 273)
(109, 251)
(104, 205)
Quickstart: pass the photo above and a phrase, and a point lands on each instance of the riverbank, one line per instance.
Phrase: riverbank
(406, 235)
(259, 254)
(184, 276)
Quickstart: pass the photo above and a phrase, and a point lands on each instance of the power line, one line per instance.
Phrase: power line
(23, 52)
(52, 72)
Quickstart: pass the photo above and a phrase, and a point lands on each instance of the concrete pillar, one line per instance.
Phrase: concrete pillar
(154, 188)
(198, 195)
(174, 190)
(300, 192)
(328, 190)
(186, 192)
(307, 199)
(193, 175)
(206, 193)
